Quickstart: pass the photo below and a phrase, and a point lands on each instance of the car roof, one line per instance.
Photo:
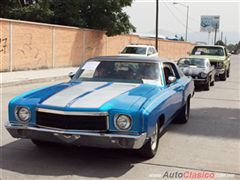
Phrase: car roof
(129, 59)
(193, 57)
(209, 46)
(139, 45)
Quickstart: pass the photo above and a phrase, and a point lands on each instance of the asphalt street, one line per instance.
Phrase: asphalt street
(210, 142)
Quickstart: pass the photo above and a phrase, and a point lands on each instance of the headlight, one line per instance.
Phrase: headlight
(122, 122)
(220, 65)
(23, 114)
(203, 75)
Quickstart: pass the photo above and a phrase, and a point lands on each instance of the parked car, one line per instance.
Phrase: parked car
(200, 69)
(111, 102)
(218, 57)
(139, 50)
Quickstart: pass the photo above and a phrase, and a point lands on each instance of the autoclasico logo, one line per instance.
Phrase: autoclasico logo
(185, 175)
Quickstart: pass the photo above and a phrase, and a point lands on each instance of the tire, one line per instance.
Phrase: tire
(207, 85)
(150, 148)
(223, 76)
(183, 116)
(40, 143)
(228, 72)
(212, 83)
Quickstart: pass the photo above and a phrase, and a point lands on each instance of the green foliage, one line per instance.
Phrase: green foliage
(219, 42)
(181, 39)
(230, 47)
(235, 49)
(104, 15)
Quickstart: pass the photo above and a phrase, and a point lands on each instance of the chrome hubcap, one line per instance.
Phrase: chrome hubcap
(154, 138)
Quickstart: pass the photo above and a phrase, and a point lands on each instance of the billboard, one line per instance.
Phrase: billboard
(209, 23)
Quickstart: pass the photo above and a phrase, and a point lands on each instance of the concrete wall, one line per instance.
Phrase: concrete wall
(27, 45)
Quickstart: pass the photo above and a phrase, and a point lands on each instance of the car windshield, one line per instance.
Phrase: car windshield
(134, 50)
(192, 62)
(119, 71)
(212, 51)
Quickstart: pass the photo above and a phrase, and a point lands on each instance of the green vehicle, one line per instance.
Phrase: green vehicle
(218, 57)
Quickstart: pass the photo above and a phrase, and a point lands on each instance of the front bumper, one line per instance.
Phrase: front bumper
(199, 81)
(79, 138)
(219, 71)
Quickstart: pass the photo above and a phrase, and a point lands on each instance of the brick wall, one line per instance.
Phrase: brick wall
(27, 45)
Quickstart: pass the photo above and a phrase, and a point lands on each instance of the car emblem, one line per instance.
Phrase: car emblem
(69, 138)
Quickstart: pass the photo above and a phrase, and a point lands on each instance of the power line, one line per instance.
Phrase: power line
(179, 21)
(190, 18)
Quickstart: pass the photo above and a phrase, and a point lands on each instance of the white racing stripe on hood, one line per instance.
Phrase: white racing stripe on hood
(65, 96)
(100, 97)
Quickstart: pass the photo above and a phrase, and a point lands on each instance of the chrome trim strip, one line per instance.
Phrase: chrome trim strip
(59, 129)
(71, 132)
(199, 79)
(74, 113)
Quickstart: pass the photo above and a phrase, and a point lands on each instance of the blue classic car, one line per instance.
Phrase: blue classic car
(110, 102)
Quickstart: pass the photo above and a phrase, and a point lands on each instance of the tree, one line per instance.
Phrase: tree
(29, 10)
(181, 39)
(104, 15)
(230, 47)
(219, 42)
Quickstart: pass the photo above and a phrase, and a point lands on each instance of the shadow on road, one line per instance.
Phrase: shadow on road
(211, 122)
(66, 160)
(22, 157)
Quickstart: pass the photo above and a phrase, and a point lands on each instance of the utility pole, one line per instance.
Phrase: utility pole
(186, 35)
(215, 35)
(156, 37)
(221, 36)
(186, 6)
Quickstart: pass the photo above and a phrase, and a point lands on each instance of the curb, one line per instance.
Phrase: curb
(31, 81)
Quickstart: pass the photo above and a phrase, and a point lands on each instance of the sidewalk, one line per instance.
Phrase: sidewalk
(33, 76)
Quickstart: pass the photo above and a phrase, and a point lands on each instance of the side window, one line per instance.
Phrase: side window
(153, 50)
(180, 73)
(225, 51)
(150, 51)
(168, 71)
(175, 70)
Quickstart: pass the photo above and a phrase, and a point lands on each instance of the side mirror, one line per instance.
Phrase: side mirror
(71, 74)
(172, 79)
(188, 53)
(229, 54)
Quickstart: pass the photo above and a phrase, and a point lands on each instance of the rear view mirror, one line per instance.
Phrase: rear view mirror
(172, 79)
(71, 74)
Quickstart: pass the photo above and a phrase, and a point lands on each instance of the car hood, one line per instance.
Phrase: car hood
(211, 58)
(89, 96)
(192, 70)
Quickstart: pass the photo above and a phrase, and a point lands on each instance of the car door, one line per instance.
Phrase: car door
(176, 89)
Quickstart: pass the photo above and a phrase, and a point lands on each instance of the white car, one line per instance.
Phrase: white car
(139, 50)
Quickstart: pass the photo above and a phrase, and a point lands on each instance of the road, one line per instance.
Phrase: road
(209, 142)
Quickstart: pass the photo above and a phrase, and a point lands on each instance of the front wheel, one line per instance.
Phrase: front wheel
(223, 76)
(149, 149)
(207, 85)
(228, 72)
(183, 116)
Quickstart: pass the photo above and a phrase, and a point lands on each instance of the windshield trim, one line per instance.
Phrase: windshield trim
(78, 73)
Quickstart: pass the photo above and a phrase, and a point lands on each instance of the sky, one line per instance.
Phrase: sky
(172, 18)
